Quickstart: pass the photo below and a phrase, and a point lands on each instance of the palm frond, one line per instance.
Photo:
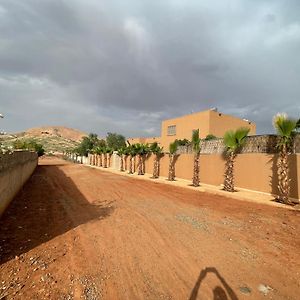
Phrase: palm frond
(234, 140)
(285, 126)
(173, 147)
(196, 141)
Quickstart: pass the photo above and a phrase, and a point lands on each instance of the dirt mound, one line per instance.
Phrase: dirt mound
(55, 139)
(60, 131)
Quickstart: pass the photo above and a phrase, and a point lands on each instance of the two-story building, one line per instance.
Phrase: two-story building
(208, 122)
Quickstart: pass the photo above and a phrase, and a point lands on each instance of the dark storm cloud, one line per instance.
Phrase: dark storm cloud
(115, 66)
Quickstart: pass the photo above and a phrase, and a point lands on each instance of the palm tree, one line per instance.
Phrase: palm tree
(286, 129)
(142, 150)
(96, 149)
(138, 149)
(132, 152)
(92, 151)
(234, 141)
(121, 153)
(157, 151)
(125, 156)
(196, 148)
(107, 155)
(101, 156)
(99, 151)
(104, 157)
(172, 154)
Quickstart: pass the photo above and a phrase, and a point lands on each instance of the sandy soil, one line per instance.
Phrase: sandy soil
(75, 232)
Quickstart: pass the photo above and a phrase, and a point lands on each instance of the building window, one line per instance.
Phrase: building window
(172, 130)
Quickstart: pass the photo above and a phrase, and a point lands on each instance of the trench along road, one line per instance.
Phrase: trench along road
(76, 232)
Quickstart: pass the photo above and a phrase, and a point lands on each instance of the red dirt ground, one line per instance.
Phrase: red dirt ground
(76, 232)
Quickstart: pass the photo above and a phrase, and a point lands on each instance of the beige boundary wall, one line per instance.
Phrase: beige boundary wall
(15, 170)
(253, 171)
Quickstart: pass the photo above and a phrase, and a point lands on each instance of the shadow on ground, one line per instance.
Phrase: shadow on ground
(49, 205)
(220, 292)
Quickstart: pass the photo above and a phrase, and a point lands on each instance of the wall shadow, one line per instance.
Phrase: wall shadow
(293, 174)
(220, 292)
(48, 205)
(274, 177)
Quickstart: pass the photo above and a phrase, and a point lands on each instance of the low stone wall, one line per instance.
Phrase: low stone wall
(15, 169)
(254, 144)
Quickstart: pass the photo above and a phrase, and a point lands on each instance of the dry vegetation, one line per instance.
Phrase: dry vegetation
(54, 139)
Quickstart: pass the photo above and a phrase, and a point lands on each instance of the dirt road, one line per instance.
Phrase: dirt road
(76, 232)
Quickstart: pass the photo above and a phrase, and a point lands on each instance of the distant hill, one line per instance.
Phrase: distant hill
(53, 138)
(59, 131)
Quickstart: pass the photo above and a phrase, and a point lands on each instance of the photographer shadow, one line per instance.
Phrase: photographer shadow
(220, 292)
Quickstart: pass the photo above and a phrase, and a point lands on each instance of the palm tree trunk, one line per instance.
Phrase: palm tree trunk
(125, 162)
(196, 180)
(171, 176)
(105, 160)
(229, 175)
(121, 163)
(108, 160)
(156, 167)
(140, 165)
(131, 165)
(283, 176)
(143, 164)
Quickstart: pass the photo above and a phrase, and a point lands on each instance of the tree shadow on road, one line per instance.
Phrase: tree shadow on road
(219, 292)
(49, 205)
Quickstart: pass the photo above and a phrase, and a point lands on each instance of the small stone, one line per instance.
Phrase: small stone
(245, 290)
(17, 257)
(265, 289)
(297, 207)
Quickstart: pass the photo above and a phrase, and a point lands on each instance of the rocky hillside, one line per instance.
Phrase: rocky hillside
(54, 138)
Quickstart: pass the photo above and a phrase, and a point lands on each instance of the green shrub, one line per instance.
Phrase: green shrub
(29, 145)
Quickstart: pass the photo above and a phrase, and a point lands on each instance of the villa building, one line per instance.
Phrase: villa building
(208, 122)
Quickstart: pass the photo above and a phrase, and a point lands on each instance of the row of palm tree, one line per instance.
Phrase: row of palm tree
(286, 129)
(100, 156)
(141, 151)
(234, 141)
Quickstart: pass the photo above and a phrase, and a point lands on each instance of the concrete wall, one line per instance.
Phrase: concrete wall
(15, 169)
(253, 171)
(219, 123)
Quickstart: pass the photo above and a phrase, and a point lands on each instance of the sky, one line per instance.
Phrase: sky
(123, 66)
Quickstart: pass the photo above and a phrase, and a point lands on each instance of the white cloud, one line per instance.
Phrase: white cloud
(290, 33)
(138, 37)
(116, 66)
